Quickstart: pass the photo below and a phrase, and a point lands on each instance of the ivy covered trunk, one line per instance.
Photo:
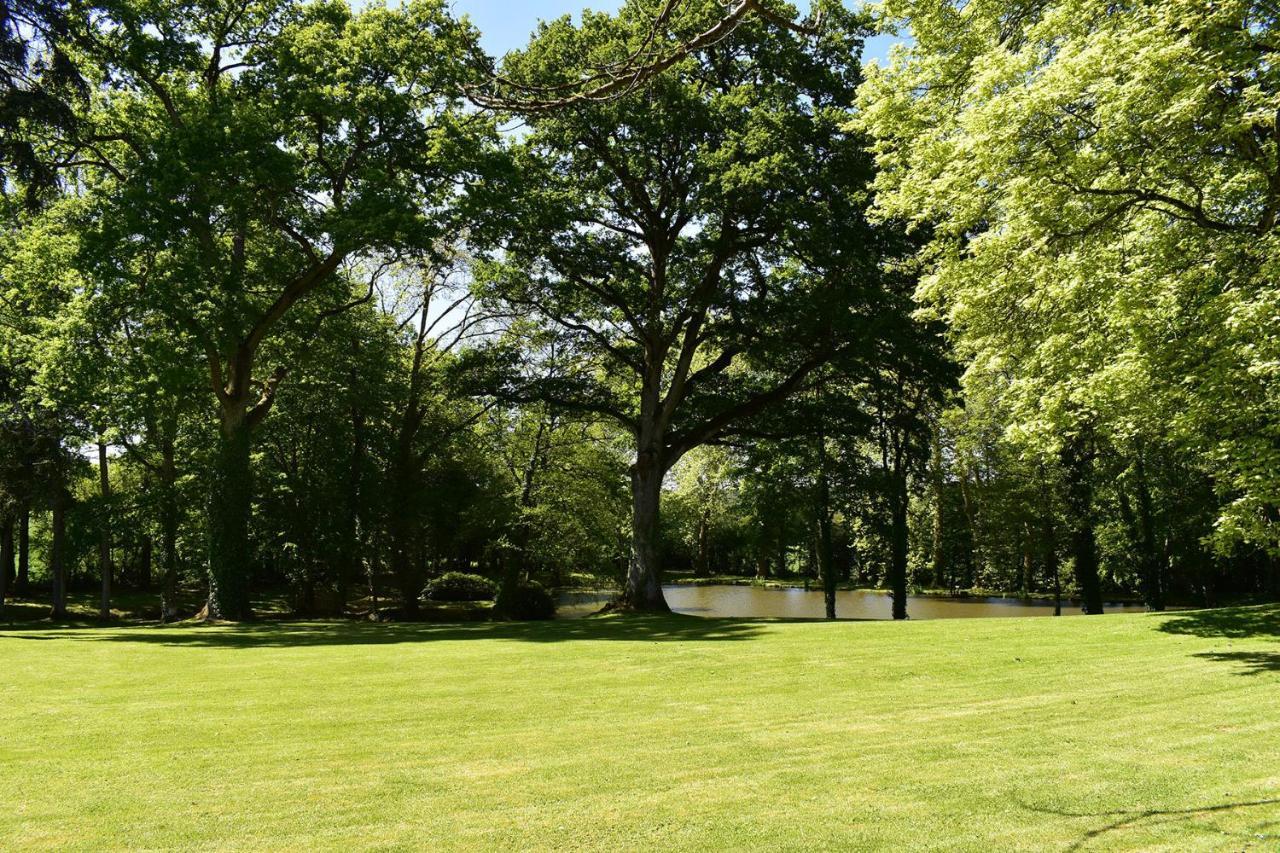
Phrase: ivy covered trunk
(643, 590)
(229, 510)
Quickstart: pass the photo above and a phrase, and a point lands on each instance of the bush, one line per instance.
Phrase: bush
(530, 600)
(460, 586)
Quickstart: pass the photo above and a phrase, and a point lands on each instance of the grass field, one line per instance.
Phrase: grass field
(1150, 732)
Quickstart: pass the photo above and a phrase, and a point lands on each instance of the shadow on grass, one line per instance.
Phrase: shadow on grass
(1126, 818)
(1235, 623)
(1252, 663)
(21, 614)
(289, 634)
(130, 607)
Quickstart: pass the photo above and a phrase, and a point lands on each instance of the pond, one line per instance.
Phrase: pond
(735, 602)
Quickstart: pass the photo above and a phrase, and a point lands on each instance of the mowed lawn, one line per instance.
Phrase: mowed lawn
(1149, 732)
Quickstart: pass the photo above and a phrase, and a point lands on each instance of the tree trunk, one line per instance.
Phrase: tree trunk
(970, 517)
(643, 590)
(58, 554)
(353, 546)
(513, 566)
(513, 570)
(405, 570)
(826, 553)
(898, 546)
(1152, 557)
(144, 564)
(229, 509)
(1057, 588)
(937, 561)
(1271, 583)
(23, 586)
(7, 573)
(702, 559)
(1028, 560)
(762, 565)
(104, 530)
(375, 563)
(305, 602)
(513, 563)
(8, 567)
(401, 524)
(1077, 461)
(1085, 550)
(822, 509)
(168, 531)
(1049, 542)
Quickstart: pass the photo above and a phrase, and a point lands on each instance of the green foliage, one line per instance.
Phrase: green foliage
(1098, 183)
(460, 586)
(530, 600)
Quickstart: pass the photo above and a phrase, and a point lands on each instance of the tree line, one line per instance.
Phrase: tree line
(302, 297)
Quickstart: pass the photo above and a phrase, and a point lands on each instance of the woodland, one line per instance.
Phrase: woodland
(325, 304)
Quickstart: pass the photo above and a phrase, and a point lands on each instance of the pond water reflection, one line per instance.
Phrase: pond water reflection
(735, 602)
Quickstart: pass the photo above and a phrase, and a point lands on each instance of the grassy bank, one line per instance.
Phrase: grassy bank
(1157, 732)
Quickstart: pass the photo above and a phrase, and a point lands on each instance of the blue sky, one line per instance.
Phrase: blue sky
(506, 24)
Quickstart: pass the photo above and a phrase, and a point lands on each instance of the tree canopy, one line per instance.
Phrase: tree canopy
(1100, 185)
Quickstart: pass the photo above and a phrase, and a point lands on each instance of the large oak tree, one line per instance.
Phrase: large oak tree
(696, 242)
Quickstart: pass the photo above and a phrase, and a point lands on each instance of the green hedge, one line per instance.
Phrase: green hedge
(460, 586)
